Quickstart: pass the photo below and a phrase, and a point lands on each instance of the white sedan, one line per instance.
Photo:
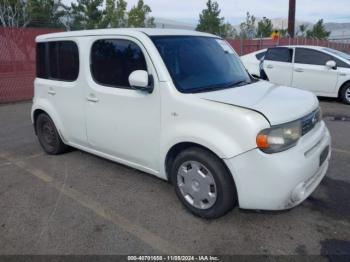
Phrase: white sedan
(252, 61)
(321, 70)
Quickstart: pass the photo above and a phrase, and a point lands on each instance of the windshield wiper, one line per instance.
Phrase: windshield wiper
(240, 83)
(216, 87)
(208, 88)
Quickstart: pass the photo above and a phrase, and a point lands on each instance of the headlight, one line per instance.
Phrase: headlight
(279, 138)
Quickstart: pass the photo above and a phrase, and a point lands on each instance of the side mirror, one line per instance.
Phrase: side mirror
(331, 64)
(140, 80)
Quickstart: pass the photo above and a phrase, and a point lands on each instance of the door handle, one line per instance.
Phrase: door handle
(51, 92)
(269, 66)
(298, 70)
(92, 98)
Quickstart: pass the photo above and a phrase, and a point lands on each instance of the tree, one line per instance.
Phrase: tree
(210, 20)
(121, 14)
(228, 31)
(115, 15)
(14, 13)
(264, 28)
(248, 29)
(46, 13)
(283, 33)
(138, 16)
(86, 14)
(302, 30)
(318, 31)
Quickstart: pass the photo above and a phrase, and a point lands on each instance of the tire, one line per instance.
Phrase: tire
(203, 183)
(345, 93)
(48, 136)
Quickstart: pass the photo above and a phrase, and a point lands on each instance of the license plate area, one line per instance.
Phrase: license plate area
(324, 155)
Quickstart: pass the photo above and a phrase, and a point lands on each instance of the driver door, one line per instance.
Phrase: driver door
(120, 121)
(311, 72)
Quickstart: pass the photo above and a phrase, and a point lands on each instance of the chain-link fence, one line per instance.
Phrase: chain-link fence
(17, 62)
(17, 57)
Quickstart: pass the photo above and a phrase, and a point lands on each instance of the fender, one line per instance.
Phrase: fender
(220, 143)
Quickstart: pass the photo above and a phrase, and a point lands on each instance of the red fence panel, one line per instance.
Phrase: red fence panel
(17, 62)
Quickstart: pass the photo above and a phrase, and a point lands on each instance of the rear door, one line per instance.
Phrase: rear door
(59, 79)
(278, 65)
(311, 72)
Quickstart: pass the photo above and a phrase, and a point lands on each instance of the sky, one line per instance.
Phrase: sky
(234, 10)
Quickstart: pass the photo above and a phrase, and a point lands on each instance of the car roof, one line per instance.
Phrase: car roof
(130, 31)
(304, 46)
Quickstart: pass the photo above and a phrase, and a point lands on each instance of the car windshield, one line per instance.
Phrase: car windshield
(338, 53)
(201, 64)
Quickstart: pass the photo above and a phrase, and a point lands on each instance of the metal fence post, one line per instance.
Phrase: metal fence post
(241, 44)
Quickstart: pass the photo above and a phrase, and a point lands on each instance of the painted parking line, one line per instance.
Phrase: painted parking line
(343, 151)
(143, 234)
(8, 163)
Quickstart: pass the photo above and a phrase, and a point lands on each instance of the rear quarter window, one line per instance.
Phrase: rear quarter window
(58, 60)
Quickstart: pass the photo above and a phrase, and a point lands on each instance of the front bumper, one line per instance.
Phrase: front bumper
(282, 180)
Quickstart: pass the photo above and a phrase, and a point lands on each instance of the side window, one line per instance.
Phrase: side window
(279, 54)
(63, 60)
(311, 57)
(41, 66)
(112, 61)
(260, 55)
(57, 60)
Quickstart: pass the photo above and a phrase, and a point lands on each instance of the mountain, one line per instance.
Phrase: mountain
(168, 23)
(339, 30)
(282, 23)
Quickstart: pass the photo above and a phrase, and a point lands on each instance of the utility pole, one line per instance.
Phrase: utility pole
(291, 18)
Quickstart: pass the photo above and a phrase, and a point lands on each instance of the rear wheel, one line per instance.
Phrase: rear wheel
(345, 93)
(202, 183)
(48, 135)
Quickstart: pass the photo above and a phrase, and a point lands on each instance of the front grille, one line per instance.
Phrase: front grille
(308, 122)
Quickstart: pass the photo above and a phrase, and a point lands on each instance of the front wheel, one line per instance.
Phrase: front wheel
(203, 183)
(345, 94)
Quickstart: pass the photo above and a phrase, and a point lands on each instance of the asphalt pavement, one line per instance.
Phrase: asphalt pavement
(78, 203)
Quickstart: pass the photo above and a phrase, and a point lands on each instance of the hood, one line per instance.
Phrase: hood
(279, 104)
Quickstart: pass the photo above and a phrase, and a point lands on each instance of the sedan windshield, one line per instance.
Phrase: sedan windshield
(201, 64)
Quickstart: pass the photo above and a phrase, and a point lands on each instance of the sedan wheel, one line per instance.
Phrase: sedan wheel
(345, 94)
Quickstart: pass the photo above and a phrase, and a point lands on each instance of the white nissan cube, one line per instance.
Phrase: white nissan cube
(180, 105)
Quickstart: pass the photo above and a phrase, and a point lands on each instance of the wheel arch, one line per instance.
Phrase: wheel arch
(181, 146)
(36, 113)
(347, 82)
(46, 108)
